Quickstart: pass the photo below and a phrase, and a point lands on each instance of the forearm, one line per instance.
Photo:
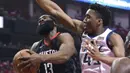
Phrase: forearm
(107, 59)
(56, 58)
(49, 6)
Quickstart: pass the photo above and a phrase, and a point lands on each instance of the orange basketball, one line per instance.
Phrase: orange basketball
(16, 61)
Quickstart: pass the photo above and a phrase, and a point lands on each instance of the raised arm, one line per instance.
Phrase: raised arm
(53, 9)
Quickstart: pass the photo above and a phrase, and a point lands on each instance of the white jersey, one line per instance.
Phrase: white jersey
(88, 64)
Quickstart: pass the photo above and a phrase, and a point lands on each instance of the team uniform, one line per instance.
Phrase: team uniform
(88, 64)
(41, 47)
(127, 43)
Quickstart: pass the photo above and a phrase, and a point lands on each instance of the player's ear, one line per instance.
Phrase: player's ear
(99, 21)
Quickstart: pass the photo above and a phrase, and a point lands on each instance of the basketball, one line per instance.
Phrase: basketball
(16, 61)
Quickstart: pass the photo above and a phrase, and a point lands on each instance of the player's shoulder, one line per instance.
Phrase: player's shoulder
(65, 35)
(122, 61)
(114, 36)
(35, 44)
(117, 62)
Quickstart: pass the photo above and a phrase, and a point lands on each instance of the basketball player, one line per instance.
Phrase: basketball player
(56, 51)
(121, 65)
(110, 45)
(127, 44)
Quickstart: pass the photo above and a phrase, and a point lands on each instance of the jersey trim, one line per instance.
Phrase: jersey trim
(47, 44)
(107, 38)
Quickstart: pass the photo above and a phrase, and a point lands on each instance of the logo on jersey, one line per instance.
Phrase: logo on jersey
(100, 38)
(48, 52)
(100, 41)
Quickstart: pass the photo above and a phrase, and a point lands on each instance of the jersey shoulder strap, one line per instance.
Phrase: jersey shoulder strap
(35, 46)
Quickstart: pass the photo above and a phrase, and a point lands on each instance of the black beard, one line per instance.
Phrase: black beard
(45, 28)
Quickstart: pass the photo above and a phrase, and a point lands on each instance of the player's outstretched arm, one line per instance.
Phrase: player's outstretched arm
(66, 50)
(53, 9)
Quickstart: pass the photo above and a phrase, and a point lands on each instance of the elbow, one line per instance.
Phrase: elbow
(67, 56)
(64, 59)
(70, 53)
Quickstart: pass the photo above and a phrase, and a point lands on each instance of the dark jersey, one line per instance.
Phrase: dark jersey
(42, 48)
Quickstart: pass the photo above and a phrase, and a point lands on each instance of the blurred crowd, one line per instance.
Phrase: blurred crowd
(120, 30)
(14, 14)
(13, 46)
(6, 67)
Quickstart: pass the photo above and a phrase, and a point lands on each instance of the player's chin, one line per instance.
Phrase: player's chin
(88, 31)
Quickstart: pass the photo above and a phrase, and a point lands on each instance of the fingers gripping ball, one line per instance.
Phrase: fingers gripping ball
(16, 61)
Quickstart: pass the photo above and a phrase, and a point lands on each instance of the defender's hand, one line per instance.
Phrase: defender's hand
(93, 50)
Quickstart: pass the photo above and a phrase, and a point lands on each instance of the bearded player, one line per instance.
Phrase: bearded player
(56, 51)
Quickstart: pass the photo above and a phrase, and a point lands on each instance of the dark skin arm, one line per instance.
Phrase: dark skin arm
(119, 65)
(66, 50)
(53, 9)
(117, 47)
(117, 44)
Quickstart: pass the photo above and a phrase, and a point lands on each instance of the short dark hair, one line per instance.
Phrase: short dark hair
(102, 12)
(48, 16)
